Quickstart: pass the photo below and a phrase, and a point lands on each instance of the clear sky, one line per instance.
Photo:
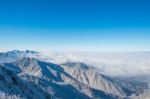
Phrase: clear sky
(75, 25)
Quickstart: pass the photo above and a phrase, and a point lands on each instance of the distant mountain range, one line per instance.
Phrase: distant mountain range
(32, 75)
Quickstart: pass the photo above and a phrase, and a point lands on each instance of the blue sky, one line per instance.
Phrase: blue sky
(75, 25)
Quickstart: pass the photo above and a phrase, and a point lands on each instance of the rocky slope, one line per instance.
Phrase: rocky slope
(89, 76)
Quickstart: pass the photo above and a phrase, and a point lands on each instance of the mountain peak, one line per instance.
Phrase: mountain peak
(26, 61)
(11, 56)
(23, 51)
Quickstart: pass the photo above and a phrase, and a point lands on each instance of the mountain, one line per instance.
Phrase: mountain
(11, 56)
(90, 76)
(34, 71)
(14, 87)
(51, 80)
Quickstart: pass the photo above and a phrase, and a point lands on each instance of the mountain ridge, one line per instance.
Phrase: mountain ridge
(87, 81)
(54, 73)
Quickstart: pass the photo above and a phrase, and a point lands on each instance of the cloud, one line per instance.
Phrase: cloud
(109, 63)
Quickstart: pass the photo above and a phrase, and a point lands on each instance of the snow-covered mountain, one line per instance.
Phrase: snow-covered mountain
(90, 76)
(23, 73)
(14, 87)
(11, 56)
(53, 81)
